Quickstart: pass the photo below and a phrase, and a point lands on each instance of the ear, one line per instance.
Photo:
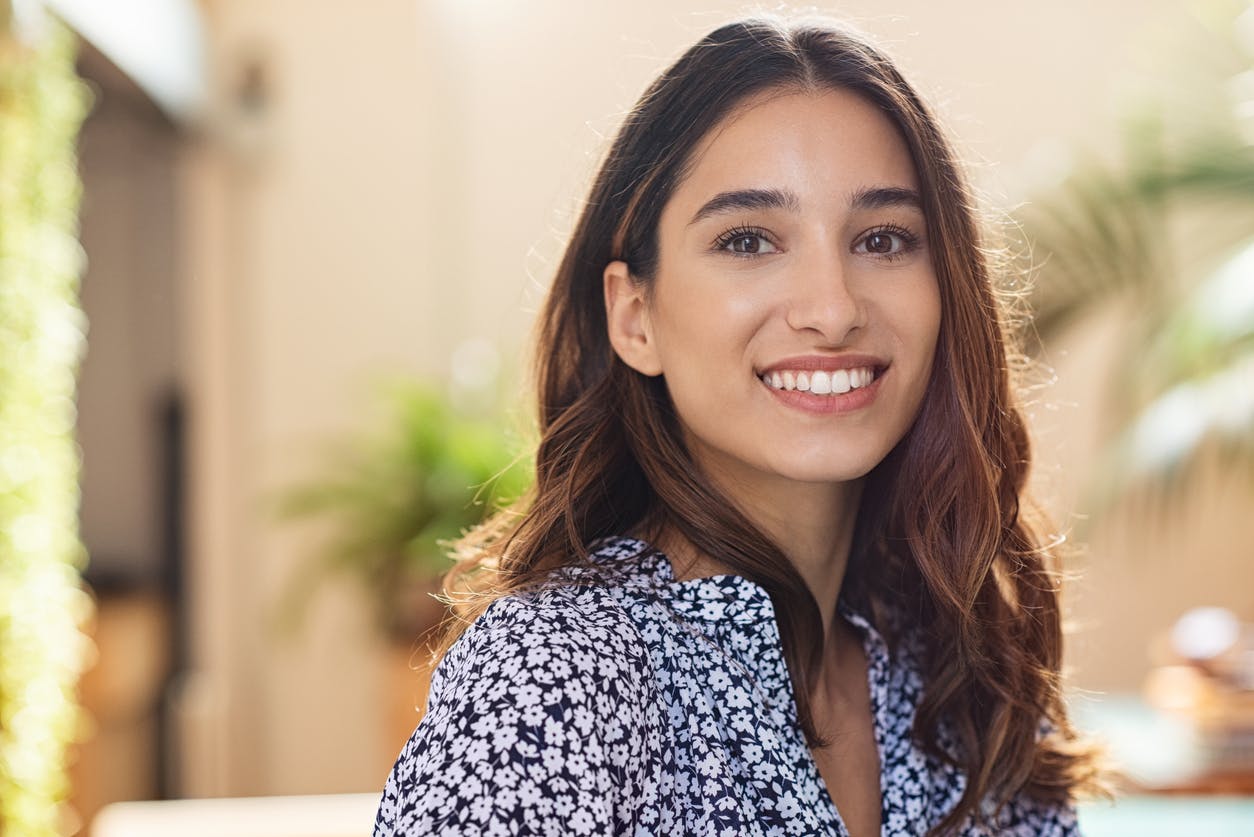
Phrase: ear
(627, 319)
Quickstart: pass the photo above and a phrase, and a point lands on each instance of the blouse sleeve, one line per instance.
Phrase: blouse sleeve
(536, 724)
(1025, 816)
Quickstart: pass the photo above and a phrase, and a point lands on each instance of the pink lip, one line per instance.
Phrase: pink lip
(828, 363)
(848, 402)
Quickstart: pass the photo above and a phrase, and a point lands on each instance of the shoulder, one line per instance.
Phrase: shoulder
(547, 696)
(568, 652)
(582, 628)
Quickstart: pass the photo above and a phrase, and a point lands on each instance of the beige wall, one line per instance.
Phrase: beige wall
(406, 188)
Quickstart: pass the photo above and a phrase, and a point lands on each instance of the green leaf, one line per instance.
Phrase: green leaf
(397, 495)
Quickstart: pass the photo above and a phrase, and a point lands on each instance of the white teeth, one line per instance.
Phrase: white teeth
(819, 381)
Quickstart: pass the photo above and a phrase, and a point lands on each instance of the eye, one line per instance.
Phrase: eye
(745, 241)
(882, 243)
(890, 242)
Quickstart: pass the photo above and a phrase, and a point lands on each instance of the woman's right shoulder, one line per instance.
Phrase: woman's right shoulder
(546, 695)
(579, 614)
(582, 624)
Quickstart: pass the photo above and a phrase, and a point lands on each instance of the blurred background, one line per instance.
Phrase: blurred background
(313, 237)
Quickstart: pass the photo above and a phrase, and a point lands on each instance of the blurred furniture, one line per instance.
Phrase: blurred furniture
(332, 815)
(118, 757)
(1174, 791)
(1159, 753)
(352, 815)
(1169, 816)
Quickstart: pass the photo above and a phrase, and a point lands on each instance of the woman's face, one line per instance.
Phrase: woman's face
(795, 309)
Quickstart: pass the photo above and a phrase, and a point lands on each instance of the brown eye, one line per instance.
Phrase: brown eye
(888, 242)
(881, 243)
(745, 241)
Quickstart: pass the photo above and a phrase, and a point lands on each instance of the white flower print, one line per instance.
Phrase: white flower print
(641, 705)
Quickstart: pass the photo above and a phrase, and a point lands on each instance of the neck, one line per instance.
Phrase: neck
(811, 522)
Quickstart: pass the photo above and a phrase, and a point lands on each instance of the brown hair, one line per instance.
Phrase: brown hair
(940, 534)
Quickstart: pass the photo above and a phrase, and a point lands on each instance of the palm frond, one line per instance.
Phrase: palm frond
(1109, 237)
(1167, 439)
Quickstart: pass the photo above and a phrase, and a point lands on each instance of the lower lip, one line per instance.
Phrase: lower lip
(847, 402)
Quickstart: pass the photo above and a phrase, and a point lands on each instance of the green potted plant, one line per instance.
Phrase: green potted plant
(397, 496)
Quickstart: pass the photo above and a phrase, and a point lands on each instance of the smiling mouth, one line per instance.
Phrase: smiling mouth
(821, 382)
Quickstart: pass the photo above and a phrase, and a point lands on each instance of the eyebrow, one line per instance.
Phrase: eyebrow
(741, 199)
(883, 197)
(872, 197)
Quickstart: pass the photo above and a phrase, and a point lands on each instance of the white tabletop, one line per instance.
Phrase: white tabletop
(330, 815)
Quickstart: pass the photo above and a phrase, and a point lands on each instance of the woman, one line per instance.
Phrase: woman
(774, 576)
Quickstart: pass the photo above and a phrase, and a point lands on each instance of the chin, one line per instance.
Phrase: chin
(820, 470)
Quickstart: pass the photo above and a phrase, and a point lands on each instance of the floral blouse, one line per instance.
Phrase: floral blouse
(650, 706)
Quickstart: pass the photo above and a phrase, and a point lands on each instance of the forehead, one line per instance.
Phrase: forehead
(823, 145)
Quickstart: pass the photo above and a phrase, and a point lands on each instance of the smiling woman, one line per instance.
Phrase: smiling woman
(809, 261)
(773, 577)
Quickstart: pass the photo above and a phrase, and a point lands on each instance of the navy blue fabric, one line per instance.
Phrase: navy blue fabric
(640, 705)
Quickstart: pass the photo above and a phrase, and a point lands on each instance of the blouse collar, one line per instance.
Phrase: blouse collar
(720, 605)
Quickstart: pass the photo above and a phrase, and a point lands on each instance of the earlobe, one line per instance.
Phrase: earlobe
(627, 319)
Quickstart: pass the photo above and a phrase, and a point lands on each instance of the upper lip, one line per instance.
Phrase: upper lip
(827, 363)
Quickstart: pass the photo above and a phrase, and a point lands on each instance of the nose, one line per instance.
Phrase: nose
(823, 300)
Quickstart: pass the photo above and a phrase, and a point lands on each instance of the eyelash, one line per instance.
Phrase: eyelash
(909, 241)
(726, 238)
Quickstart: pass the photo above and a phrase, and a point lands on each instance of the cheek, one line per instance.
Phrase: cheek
(920, 314)
(929, 324)
(698, 323)
(916, 325)
(927, 328)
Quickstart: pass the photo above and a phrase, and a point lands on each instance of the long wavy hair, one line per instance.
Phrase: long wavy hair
(941, 533)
